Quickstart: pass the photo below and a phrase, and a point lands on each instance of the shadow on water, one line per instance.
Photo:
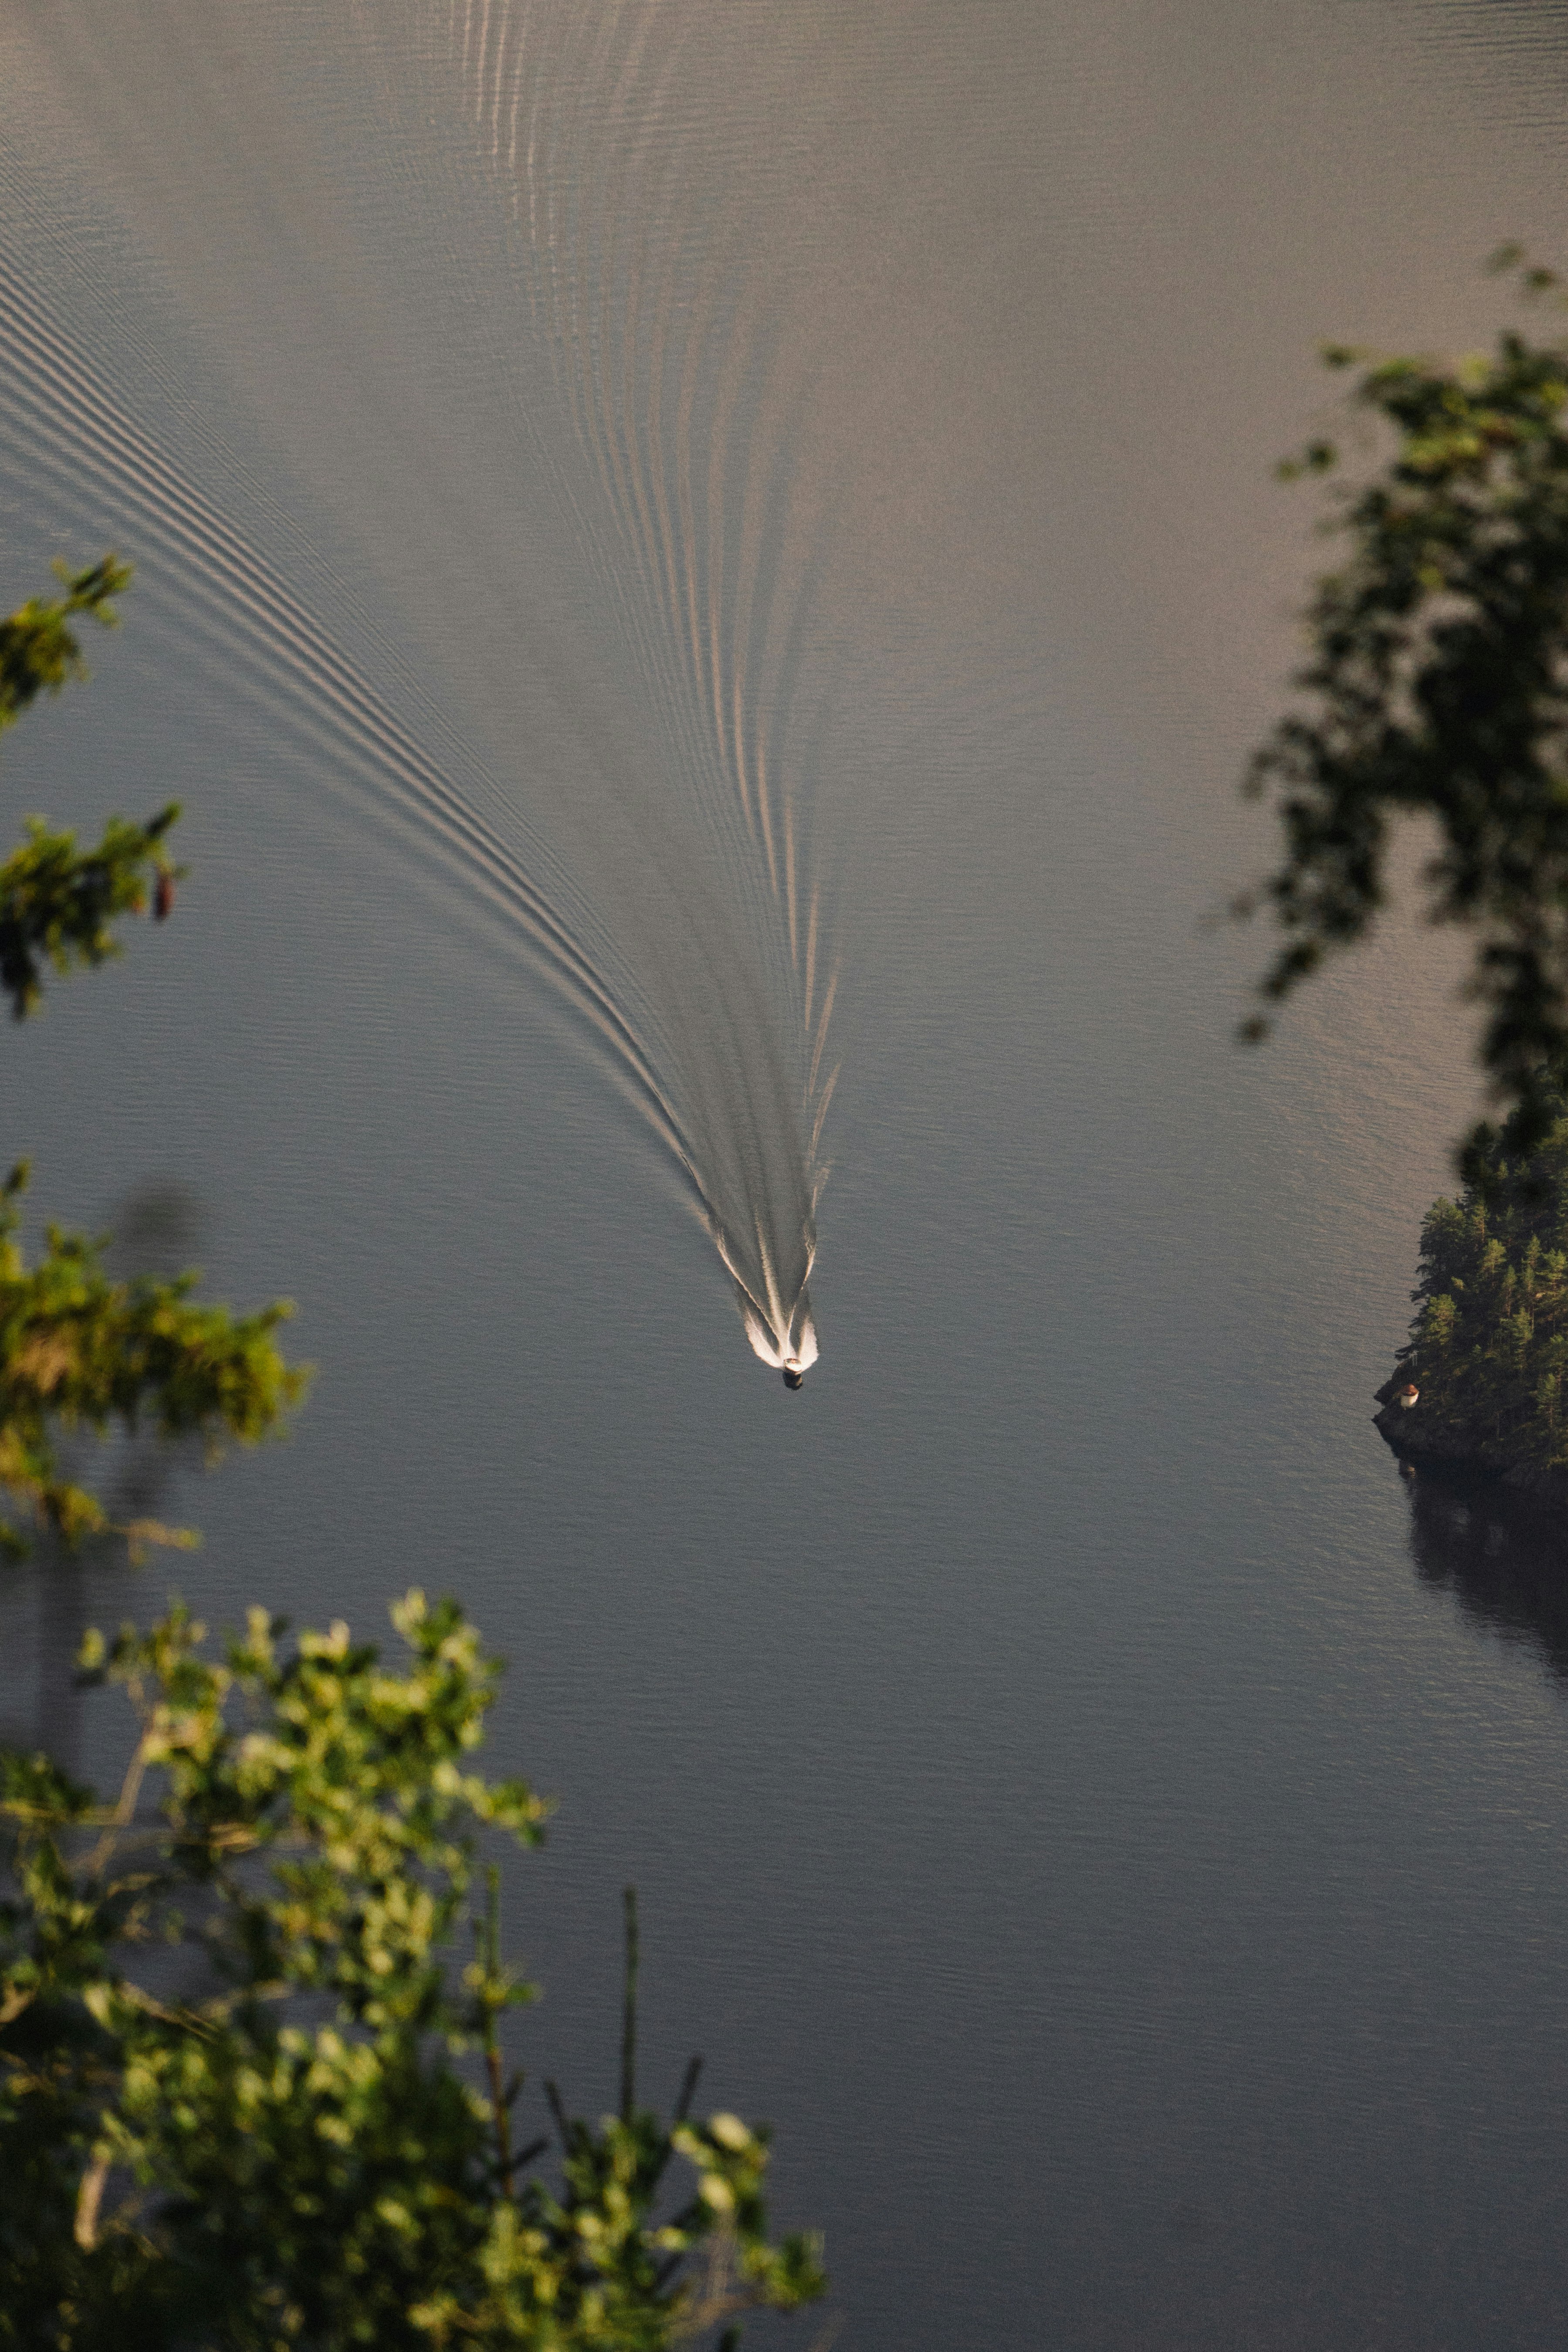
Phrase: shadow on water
(155, 1230)
(1502, 1557)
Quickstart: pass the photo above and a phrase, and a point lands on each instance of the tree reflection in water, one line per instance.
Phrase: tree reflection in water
(1502, 1556)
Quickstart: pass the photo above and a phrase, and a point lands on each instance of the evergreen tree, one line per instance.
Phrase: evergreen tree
(1489, 1345)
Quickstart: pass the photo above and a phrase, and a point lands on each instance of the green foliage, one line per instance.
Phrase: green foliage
(57, 902)
(1437, 685)
(39, 650)
(242, 2103)
(1489, 1346)
(77, 1350)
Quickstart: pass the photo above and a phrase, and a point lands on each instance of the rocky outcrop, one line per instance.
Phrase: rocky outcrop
(1416, 1442)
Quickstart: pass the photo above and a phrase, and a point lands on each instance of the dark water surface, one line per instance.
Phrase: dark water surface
(742, 464)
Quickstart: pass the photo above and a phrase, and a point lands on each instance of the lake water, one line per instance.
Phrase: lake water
(691, 458)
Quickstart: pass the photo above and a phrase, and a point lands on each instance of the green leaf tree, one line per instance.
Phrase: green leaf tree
(1437, 684)
(242, 2101)
(77, 1350)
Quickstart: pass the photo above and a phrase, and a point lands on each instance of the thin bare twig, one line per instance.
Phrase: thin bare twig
(125, 1810)
(630, 2015)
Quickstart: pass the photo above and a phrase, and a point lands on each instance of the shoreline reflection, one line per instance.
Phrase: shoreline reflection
(1502, 1557)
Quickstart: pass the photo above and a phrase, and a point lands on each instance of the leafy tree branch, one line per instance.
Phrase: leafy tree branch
(57, 903)
(1437, 684)
(39, 650)
(79, 1351)
(281, 2140)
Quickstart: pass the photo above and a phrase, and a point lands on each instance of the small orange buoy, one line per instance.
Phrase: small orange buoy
(163, 898)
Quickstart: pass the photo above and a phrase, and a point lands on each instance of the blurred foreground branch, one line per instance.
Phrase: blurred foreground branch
(1437, 684)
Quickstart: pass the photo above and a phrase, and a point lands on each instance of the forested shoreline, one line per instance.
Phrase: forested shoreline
(1489, 1345)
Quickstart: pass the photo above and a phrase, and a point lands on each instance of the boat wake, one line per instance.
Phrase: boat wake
(489, 495)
